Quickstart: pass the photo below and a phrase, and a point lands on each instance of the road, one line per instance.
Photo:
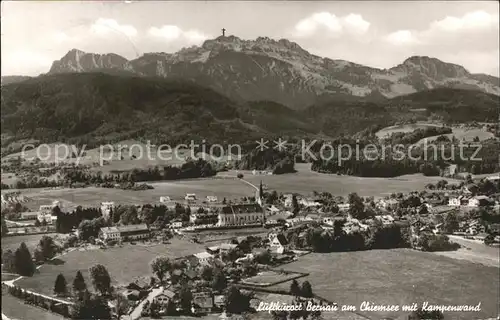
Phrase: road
(136, 314)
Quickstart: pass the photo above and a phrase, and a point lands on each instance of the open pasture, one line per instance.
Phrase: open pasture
(270, 277)
(176, 190)
(125, 264)
(397, 277)
(305, 181)
(387, 131)
(31, 241)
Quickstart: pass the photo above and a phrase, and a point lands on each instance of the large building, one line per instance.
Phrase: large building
(204, 216)
(241, 214)
(125, 233)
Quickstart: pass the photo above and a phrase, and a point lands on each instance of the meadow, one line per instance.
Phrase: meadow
(305, 181)
(31, 241)
(15, 309)
(125, 264)
(269, 277)
(397, 277)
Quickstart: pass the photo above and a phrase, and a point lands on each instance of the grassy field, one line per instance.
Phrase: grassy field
(176, 190)
(400, 276)
(31, 241)
(125, 264)
(15, 309)
(304, 181)
(270, 277)
(474, 251)
(387, 131)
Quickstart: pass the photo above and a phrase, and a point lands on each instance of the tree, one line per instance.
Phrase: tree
(356, 206)
(47, 247)
(236, 302)
(306, 290)
(240, 175)
(154, 310)
(100, 279)
(295, 205)
(450, 223)
(8, 261)
(5, 229)
(91, 307)
(294, 288)
(207, 273)
(219, 281)
(60, 286)
(421, 314)
(79, 284)
(121, 305)
(23, 261)
(160, 266)
(186, 298)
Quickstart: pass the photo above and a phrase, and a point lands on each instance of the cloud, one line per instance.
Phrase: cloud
(105, 27)
(402, 37)
(172, 33)
(352, 23)
(469, 21)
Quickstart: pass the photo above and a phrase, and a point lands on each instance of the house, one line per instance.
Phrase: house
(458, 201)
(164, 297)
(470, 188)
(46, 216)
(190, 197)
(29, 215)
(176, 224)
(241, 214)
(203, 302)
(480, 201)
(109, 233)
(385, 219)
(344, 206)
(219, 301)
(203, 258)
(247, 258)
(165, 199)
(438, 228)
(204, 216)
(388, 204)
(106, 208)
(211, 198)
(309, 203)
(279, 244)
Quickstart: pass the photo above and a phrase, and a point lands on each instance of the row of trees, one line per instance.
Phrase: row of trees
(40, 301)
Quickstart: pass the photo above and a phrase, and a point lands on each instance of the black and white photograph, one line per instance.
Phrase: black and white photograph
(250, 160)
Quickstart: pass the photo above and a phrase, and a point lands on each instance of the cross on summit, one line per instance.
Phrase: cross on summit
(223, 32)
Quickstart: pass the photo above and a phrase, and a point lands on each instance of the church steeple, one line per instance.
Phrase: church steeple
(260, 194)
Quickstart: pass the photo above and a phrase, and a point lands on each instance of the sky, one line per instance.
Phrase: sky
(377, 34)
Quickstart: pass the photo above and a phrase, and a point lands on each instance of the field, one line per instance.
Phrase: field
(267, 278)
(176, 190)
(125, 264)
(15, 309)
(400, 276)
(462, 133)
(31, 241)
(474, 251)
(387, 131)
(304, 181)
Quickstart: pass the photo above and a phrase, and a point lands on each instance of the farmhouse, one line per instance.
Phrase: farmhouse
(29, 215)
(190, 197)
(458, 201)
(388, 204)
(211, 198)
(242, 214)
(203, 258)
(203, 302)
(165, 199)
(479, 201)
(46, 216)
(344, 206)
(279, 244)
(164, 297)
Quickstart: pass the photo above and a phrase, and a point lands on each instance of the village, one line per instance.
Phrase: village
(275, 229)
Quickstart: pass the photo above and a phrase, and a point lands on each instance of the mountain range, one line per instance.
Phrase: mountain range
(280, 71)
